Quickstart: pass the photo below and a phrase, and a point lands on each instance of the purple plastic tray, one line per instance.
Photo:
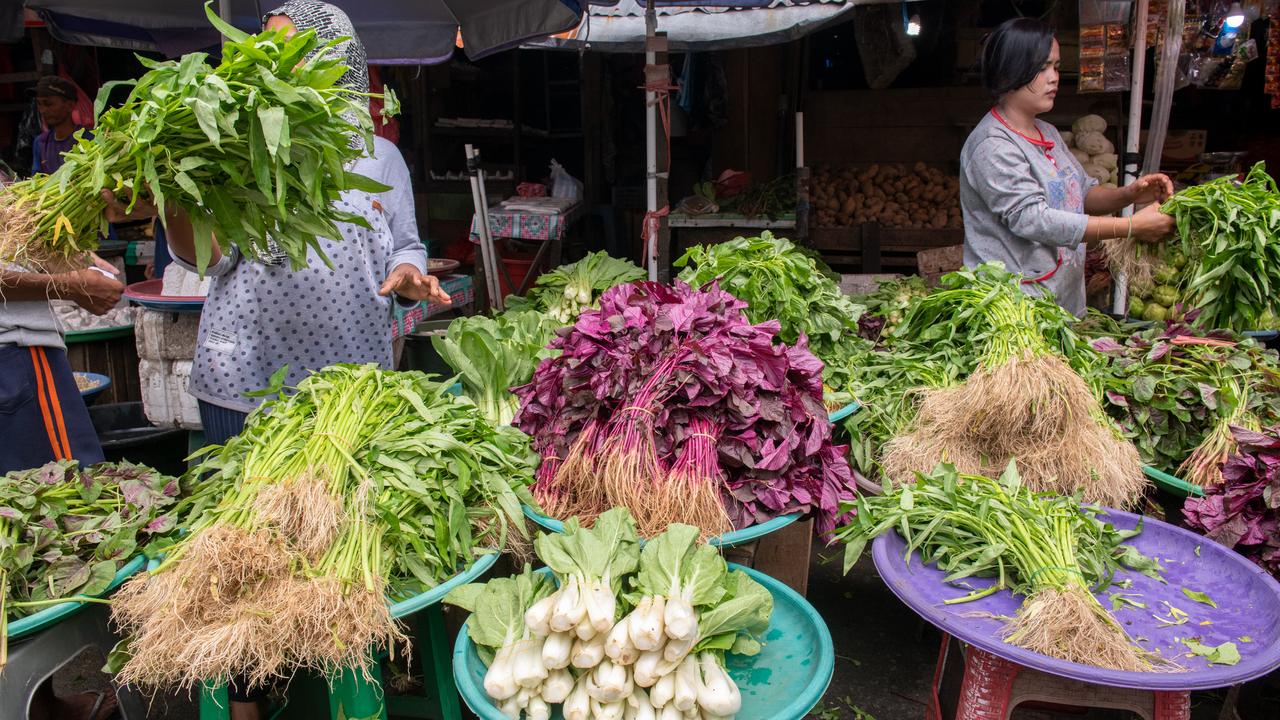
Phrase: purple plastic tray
(1248, 605)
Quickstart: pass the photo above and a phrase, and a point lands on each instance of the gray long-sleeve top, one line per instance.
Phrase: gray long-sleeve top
(259, 317)
(1023, 204)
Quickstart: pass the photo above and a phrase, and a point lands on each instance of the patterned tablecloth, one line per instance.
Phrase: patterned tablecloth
(527, 226)
(460, 289)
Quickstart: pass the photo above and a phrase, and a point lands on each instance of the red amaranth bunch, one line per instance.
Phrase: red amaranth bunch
(627, 412)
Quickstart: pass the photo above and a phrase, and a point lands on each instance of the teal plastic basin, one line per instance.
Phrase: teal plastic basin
(52, 614)
(784, 682)
(729, 539)
(844, 412)
(437, 593)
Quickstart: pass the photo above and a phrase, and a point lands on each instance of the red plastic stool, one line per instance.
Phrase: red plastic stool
(993, 687)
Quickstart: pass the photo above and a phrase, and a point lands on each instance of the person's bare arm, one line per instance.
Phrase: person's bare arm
(1148, 225)
(88, 288)
(1146, 189)
(177, 226)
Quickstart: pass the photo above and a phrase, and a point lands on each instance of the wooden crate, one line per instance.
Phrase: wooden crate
(871, 249)
(938, 262)
(863, 284)
(117, 358)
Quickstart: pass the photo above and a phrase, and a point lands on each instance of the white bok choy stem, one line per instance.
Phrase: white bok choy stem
(590, 563)
(717, 694)
(497, 623)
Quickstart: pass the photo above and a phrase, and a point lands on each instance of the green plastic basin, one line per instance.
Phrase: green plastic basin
(784, 682)
(1171, 484)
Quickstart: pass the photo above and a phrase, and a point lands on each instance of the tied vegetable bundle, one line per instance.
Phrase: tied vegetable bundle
(253, 149)
(1177, 392)
(779, 281)
(1243, 512)
(621, 633)
(1047, 548)
(359, 487)
(566, 291)
(1024, 400)
(65, 531)
(666, 400)
(493, 355)
(1227, 233)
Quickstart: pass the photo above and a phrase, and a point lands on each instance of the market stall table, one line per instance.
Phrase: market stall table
(783, 682)
(1247, 613)
(533, 220)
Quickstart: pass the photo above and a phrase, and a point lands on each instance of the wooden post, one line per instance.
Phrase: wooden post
(870, 248)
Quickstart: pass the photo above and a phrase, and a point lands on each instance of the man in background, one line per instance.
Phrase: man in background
(55, 99)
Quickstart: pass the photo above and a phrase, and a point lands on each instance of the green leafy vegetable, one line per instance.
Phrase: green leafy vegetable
(493, 355)
(779, 281)
(254, 150)
(1046, 547)
(1199, 597)
(566, 291)
(1228, 231)
(357, 487)
(65, 531)
(1225, 654)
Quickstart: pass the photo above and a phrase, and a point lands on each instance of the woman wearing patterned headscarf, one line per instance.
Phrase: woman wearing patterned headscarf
(260, 315)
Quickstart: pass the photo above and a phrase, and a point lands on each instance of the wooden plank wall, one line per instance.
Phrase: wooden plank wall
(918, 124)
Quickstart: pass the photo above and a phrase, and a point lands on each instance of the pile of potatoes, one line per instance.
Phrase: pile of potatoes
(895, 196)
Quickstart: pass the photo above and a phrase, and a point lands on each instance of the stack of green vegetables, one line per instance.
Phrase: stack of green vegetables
(978, 373)
(1159, 298)
(888, 304)
(1227, 234)
(1047, 548)
(780, 281)
(65, 531)
(493, 355)
(358, 487)
(566, 291)
(1177, 392)
(621, 632)
(253, 148)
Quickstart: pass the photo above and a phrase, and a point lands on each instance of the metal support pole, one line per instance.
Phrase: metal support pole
(488, 255)
(651, 137)
(1130, 159)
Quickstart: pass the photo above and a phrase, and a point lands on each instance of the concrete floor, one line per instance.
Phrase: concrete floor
(885, 657)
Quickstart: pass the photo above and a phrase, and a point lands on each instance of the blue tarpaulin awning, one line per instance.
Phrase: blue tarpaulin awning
(393, 31)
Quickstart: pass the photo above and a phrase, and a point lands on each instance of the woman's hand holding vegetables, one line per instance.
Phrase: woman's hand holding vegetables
(409, 282)
(1154, 188)
(1152, 226)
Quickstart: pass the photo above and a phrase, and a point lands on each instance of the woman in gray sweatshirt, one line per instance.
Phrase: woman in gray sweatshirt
(1026, 200)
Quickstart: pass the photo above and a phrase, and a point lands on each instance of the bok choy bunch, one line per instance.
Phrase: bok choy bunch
(673, 611)
(493, 355)
(566, 291)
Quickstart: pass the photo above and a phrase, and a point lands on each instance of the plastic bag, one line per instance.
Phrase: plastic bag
(564, 185)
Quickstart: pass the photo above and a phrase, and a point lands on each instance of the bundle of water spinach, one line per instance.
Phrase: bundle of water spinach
(255, 147)
(1047, 548)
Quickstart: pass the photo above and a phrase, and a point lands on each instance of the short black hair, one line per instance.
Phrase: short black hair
(1015, 53)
